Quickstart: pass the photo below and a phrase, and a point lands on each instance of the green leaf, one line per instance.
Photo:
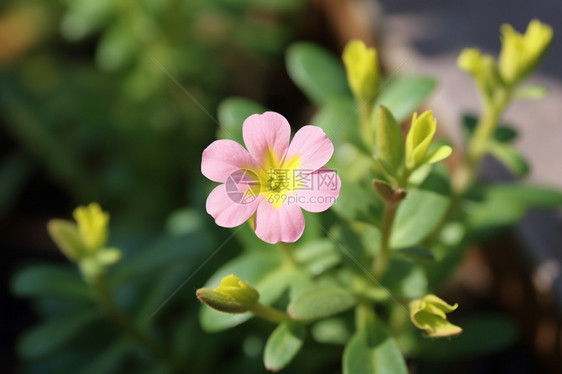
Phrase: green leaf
(311, 233)
(372, 351)
(320, 302)
(418, 254)
(250, 242)
(185, 221)
(359, 201)
(390, 143)
(405, 278)
(67, 237)
(55, 281)
(531, 92)
(47, 337)
(348, 240)
(331, 331)
(108, 360)
(439, 154)
(402, 96)
(531, 196)
(316, 72)
(318, 256)
(158, 290)
(488, 218)
(339, 119)
(15, 169)
(232, 112)
(264, 271)
(116, 48)
(276, 5)
(503, 133)
(283, 345)
(510, 157)
(481, 335)
(422, 210)
(162, 252)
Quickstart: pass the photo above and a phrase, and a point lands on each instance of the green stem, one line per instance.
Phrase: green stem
(364, 316)
(381, 262)
(116, 315)
(477, 148)
(366, 127)
(478, 145)
(288, 252)
(269, 313)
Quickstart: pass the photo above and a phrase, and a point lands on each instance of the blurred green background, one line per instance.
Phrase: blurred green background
(96, 94)
(113, 101)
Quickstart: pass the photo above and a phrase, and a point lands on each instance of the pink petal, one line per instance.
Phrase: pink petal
(321, 193)
(285, 224)
(225, 209)
(266, 131)
(223, 157)
(313, 147)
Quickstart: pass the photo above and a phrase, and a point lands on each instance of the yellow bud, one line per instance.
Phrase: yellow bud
(419, 139)
(239, 290)
(231, 296)
(92, 225)
(362, 67)
(470, 60)
(520, 54)
(482, 67)
(429, 314)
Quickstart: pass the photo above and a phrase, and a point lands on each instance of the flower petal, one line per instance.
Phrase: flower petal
(312, 146)
(223, 157)
(285, 224)
(226, 211)
(264, 132)
(324, 189)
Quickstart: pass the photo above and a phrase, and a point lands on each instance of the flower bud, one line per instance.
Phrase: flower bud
(231, 296)
(92, 225)
(429, 314)
(483, 69)
(419, 139)
(389, 195)
(362, 67)
(390, 145)
(520, 54)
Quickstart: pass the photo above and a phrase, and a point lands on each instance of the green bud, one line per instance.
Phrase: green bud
(390, 145)
(231, 296)
(66, 236)
(429, 314)
(520, 54)
(362, 68)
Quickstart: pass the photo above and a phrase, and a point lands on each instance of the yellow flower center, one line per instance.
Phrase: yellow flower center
(278, 178)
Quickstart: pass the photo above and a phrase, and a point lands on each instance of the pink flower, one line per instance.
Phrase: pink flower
(272, 180)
